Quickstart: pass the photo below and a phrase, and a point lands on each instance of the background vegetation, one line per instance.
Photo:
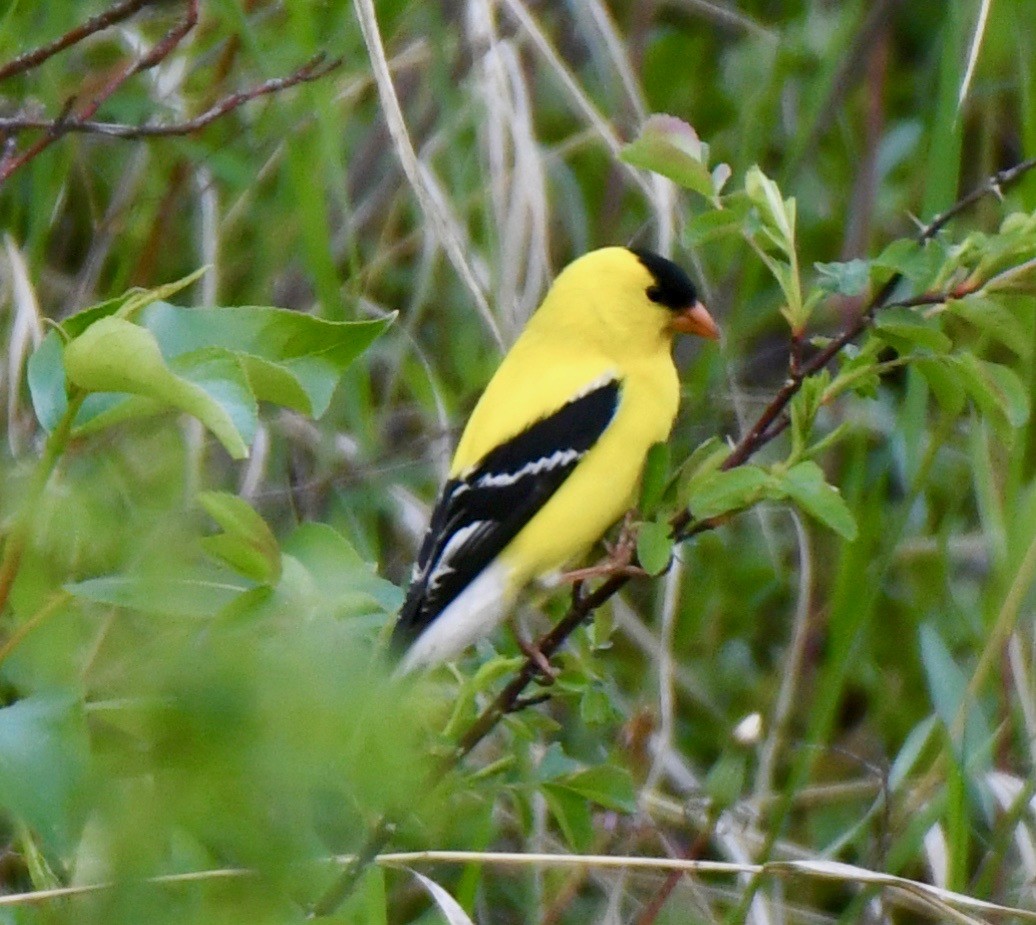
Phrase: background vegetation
(189, 688)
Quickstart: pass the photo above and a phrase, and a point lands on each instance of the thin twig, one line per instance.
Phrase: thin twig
(30, 59)
(770, 423)
(157, 54)
(765, 429)
(314, 69)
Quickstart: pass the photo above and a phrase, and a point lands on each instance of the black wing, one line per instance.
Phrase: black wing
(478, 514)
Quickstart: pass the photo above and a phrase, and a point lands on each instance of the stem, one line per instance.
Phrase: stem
(19, 535)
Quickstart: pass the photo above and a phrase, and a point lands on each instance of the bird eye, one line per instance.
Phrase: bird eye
(654, 293)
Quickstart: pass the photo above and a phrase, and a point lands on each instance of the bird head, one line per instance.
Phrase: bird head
(628, 301)
(671, 288)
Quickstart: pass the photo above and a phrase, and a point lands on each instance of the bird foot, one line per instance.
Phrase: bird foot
(619, 558)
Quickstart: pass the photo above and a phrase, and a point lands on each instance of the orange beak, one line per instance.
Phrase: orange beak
(695, 319)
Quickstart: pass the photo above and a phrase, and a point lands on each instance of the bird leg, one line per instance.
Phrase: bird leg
(547, 673)
(619, 558)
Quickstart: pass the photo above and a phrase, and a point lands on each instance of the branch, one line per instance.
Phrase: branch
(767, 427)
(314, 69)
(30, 59)
(12, 162)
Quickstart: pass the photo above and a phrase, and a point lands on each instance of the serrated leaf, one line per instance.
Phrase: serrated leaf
(670, 147)
(46, 376)
(720, 492)
(805, 484)
(654, 547)
(247, 543)
(114, 355)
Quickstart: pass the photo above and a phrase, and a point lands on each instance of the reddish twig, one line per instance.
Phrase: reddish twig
(314, 69)
(111, 16)
(60, 126)
(767, 427)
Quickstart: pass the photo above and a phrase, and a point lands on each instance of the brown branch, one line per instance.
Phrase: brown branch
(765, 429)
(30, 59)
(770, 423)
(994, 186)
(314, 69)
(60, 127)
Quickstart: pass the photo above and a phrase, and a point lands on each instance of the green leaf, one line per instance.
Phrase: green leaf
(247, 543)
(805, 484)
(654, 547)
(125, 305)
(607, 785)
(44, 757)
(596, 708)
(572, 814)
(339, 571)
(725, 781)
(948, 685)
(670, 147)
(113, 355)
(719, 492)
(905, 330)
(804, 408)
(850, 278)
(916, 262)
(992, 317)
(777, 213)
(655, 478)
(285, 354)
(996, 390)
(945, 384)
(860, 369)
(717, 223)
(198, 595)
(46, 375)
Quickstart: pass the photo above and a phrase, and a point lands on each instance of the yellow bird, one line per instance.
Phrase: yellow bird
(553, 452)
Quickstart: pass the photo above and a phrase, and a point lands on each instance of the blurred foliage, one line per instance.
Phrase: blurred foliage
(209, 504)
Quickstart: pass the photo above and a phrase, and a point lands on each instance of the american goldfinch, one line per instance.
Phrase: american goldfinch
(553, 452)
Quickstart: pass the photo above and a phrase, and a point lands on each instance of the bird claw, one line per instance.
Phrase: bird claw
(618, 561)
